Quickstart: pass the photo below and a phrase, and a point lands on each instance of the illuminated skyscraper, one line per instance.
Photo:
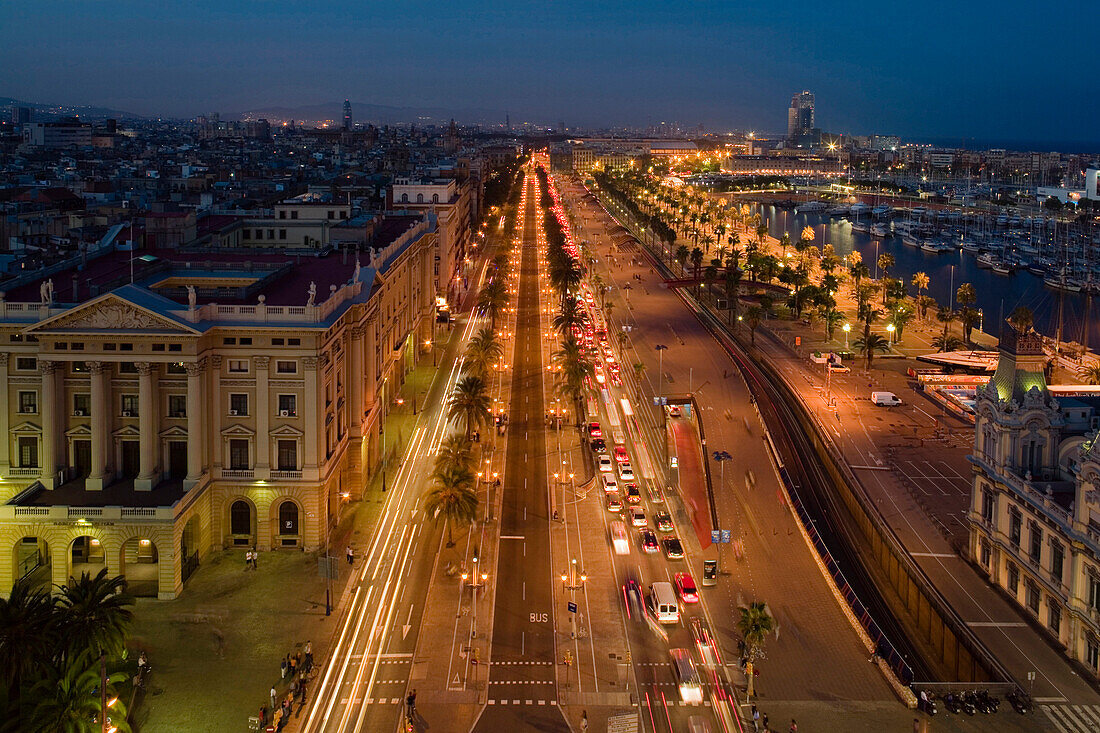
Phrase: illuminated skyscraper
(347, 114)
(800, 116)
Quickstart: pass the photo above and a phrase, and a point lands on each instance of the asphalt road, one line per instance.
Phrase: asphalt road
(522, 684)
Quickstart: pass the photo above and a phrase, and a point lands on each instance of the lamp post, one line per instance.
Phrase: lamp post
(891, 329)
(847, 329)
(474, 581)
(660, 349)
(721, 457)
(573, 580)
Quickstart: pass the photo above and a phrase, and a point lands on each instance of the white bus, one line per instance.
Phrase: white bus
(664, 603)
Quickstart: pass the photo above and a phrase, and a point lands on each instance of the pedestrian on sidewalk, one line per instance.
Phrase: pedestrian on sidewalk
(765, 723)
(247, 560)
(273, 698)
(282, 669)
(351, 555)
(793, 728)
(584, 720)
(298, 661)
(309, 656)
(255, 558)
(755, 718)
(291, 666)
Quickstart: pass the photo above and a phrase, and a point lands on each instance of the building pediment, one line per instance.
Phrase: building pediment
(286, 431)
(238, 430)
(79, 431)
(110, 313)
(174, 432)
(127, 431)
(25, 428)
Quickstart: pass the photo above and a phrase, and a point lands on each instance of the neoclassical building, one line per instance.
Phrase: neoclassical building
(196, 401)
(1035, 509)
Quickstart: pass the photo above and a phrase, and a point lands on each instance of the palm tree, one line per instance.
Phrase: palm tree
(68, 699)
(483, 350)
(900, 315)
(453, 498)
(469, 404)
(696, 261)
(1090, 373)
(969, 318)
(733, 289)
(832, 318)
(754, 625)
(28, 633)
(920, 282)
(682, 254)
(639, 369)
(806, 236)
(493, 298)
(947, 343)
(1022, 319)
(946, 316)
(454, 451)
(569, 316)
(753, 314)
(869, 345)
(710, 274)
(95, 615)
(885, 262)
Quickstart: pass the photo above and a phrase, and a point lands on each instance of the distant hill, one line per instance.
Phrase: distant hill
(46, 112)
(378, 114)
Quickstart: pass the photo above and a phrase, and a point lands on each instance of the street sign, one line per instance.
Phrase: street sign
(672, 460)
(715, 536)
(572, 607)
(327, 568)
(656, 400)
(726, 536)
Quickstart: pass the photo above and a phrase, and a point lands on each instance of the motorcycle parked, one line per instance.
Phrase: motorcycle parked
(952, 702)
(969, 703)
(1020, 701)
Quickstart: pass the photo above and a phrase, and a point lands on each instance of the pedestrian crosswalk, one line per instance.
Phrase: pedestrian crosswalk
(1073, 718)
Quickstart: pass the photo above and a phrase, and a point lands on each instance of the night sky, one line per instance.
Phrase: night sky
(997, 71)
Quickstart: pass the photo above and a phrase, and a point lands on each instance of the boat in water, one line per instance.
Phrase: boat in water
(879, 229)
(811, 207)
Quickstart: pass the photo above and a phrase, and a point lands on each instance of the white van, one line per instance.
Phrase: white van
(885, 399)
(619, 541)
(617, 436)
(664, 603)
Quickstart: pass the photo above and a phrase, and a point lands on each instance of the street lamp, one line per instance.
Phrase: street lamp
(573, 581)
(660, 349)
(847, 329)
(891, 329)
(474, 581)
(721, 456)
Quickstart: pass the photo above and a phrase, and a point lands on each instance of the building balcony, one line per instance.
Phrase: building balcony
(286, 474)
(31, 472)
(237, 473)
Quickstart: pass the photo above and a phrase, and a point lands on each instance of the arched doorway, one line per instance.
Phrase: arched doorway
(32, 561)
(242, 530)
(139, 563)
(288, 524)
(189, 549)
(86, 556)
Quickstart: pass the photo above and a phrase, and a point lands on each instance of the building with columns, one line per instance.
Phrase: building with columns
(217, 401)
(1035, 506)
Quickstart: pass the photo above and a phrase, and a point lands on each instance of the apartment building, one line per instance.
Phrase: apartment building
(448, 203)
(1035, 509)
(220, 400)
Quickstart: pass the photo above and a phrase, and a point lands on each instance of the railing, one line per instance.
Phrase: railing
(66, 513)
(286, 474)
(237, 473)
(25, 472)
(32, 511)
(85, 511)
(138, 512)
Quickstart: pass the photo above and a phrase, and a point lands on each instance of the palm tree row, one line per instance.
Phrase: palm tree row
(53, 648)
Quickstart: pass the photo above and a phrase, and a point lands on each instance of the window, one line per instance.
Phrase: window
(288, 518)
(240, 518)
(26, 363)
(1013, 579)
(987, 506)
(1036, 549)
(286, 367)
(82, 404)
(238, 366)
(59, 345)
(175, 347)
(1015, 527)
(1032, 456)
(1054, 617)
(282, 214)
(176, 367)
(229, 341)
(1057, 558)
(984, 552)
(246, 234)
(245, 341)
(277, 342)
(1092, 653)
(282, 234)
(125, 347)
(294, 215)
(110, 347)
(238, 404)
(1094, 591)
(129, 405)
(293, 342)
(238, 454)
(28, 403)
(28, 452)
(330, 215)
(288, 455)
(177, 405)
(1032, 599)
(270, 233)
(158, 347)
(288, 404)
(127, 367)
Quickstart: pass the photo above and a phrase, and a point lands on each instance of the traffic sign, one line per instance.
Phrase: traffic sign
(572, 607)
(715, 536)
(726, 536)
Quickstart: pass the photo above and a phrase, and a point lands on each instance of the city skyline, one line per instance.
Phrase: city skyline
(592, 67)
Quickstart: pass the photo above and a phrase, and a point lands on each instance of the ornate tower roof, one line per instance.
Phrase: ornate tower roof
(1020, 368)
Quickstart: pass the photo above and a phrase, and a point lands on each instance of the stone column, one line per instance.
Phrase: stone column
(355, 379)
(194, 423)
(370, 371)
(100, 426)
(147, 423)
(310, 458)
(51, 421)
(263, 418)
(5, 436)
(217, 409)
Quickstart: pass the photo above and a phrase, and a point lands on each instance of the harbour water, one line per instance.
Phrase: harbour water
(996, 294)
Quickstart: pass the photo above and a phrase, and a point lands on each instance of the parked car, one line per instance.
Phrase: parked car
(673, 549)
